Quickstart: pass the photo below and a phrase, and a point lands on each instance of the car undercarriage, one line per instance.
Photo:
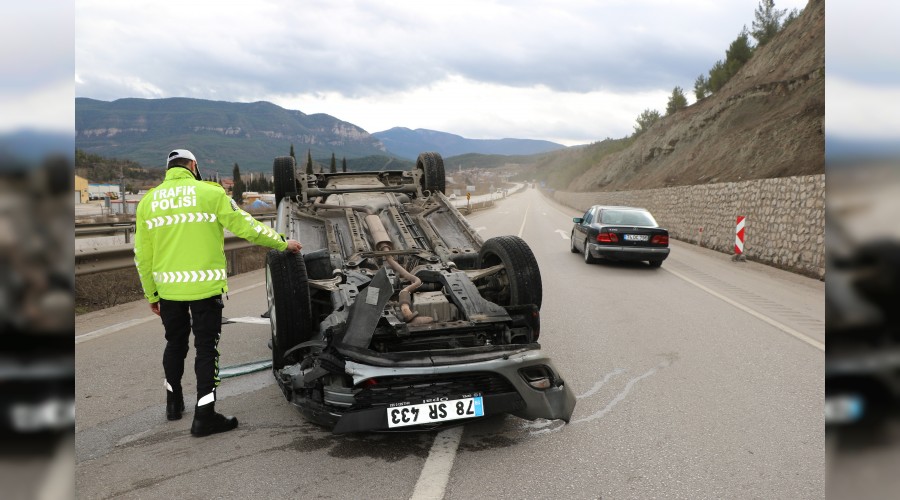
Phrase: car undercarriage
(396, 315)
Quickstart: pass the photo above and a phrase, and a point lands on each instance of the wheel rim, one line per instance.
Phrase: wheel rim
(572, 241)
(587, 253)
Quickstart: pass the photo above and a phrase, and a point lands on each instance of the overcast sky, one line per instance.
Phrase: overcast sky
(572, 72)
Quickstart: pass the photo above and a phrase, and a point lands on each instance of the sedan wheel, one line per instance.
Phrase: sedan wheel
(572, 246)
(588, 259)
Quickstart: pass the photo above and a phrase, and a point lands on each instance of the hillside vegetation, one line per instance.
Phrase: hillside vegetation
(218, 133)
(766, 121)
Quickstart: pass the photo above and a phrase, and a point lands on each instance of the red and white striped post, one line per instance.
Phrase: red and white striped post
(739, 239)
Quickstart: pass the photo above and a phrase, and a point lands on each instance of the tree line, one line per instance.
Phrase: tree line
(768, 21)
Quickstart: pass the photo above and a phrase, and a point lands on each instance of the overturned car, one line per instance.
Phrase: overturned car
(396, 315)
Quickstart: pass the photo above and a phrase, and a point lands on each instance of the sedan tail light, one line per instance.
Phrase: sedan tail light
(660, 239)
(607, 238)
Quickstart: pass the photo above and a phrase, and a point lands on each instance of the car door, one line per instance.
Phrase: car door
(581, 230)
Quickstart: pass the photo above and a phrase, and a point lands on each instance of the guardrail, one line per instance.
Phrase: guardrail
(115, 257)
(105, 258)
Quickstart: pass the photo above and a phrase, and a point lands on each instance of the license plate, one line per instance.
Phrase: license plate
(843, 409)
(429, 413)
(636, 237)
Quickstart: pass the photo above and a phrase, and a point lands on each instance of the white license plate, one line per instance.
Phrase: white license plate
(636, 237)
(440, 411)
(843, 409)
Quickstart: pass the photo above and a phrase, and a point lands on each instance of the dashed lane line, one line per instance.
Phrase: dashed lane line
(435, 475)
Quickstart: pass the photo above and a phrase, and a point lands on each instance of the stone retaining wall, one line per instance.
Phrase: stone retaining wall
(785, 217)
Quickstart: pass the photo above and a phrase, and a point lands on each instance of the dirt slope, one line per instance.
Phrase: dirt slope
(768, 121)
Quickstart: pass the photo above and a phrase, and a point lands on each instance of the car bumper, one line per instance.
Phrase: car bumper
(628, 253)
(514, 396)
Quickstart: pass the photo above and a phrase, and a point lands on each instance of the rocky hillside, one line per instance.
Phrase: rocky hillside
(767, 121)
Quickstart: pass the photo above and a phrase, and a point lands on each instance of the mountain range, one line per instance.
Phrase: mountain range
(251, 134)
(408, 144)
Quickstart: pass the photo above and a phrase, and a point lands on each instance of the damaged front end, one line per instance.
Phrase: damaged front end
(397, 316)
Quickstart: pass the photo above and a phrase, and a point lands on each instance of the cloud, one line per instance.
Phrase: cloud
(368, 53)
(481, 110)
(861, 110)
(862, 40)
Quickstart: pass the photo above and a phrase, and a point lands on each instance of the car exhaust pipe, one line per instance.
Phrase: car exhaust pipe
(383, 244)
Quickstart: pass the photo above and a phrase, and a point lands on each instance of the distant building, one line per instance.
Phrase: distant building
(99, 191)
(81, 189)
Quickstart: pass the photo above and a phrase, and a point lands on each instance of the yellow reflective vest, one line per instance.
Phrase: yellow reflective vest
(179, 244)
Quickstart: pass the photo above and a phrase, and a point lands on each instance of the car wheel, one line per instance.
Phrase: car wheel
(287, 290)
(655, 263)
(432, 167)
(519, 283)
(285, 177)
(572, 246)
(588, 258)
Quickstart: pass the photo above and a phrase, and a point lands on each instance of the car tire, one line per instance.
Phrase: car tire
(588, 258)
(521, 278)
(432, 167)
(656, 263)
(285, 177)
(287, 289)
(572, 247)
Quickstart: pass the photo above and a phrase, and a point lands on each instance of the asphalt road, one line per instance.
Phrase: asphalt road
(700, 379)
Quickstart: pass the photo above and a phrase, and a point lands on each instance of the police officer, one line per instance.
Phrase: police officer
(179, 254)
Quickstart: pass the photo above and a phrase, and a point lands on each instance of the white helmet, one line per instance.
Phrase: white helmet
(180, 153)
(184, 153)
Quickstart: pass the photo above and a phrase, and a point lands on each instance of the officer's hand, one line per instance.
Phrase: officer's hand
(154, 307)
(294, 246)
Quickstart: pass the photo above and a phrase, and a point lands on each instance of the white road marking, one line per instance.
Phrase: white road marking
(786, 329)
(432, 482)
(250, 320)
(96, 334)
(524, 218)
(480, 229)
(102, 332)
(562, 233)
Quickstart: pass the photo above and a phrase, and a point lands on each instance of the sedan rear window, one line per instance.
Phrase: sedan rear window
(627, 218)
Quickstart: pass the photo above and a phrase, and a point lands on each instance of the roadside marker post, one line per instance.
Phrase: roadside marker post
(739, 240)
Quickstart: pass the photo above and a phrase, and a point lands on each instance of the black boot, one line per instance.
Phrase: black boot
(174, 404)
(207, 421)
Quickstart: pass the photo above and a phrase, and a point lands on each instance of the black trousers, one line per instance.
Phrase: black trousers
(205, 318)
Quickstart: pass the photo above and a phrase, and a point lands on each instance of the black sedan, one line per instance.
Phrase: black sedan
(619, 233)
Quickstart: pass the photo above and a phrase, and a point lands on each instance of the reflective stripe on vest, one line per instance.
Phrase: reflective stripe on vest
(168, 220)
(189, 276)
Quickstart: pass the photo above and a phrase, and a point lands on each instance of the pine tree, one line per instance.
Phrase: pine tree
(309, 165)
(701, 87)
(292, 152)
(676, 101)
(645, 120)
(766, 22)
(344, 165)
(237, 192)
(333, 164)
(738, 53)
